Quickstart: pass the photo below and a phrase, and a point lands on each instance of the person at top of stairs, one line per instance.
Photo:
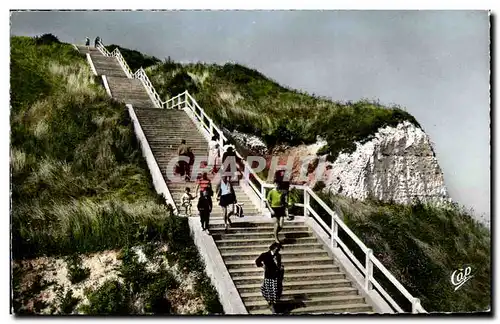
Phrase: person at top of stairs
(205, 208)
(97, 41)
(87, 43)
(272, 286)
(184, 151)
(226, 196)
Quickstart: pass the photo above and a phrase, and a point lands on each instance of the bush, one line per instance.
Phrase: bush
(180, 83)
(47, 39)
(67, 302)
(76, 272)
(112, 298)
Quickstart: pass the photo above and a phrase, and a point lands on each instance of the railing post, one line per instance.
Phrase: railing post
(306, 203)
(368, 269)
(334, 234)
(415, 305)
(263, 198)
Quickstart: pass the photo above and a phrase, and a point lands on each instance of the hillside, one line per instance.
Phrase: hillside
(242, 99)
(83, 206)
(422, 244)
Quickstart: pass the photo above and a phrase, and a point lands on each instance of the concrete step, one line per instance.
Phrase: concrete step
(262, 229)
(264, 247)
(256, 271)
(168, 137)
(304, 293)
(91, 50)
(106, 63)
(294, 285)
(323, 309)
(141, 93)
(259, 224)
(316, 301)
(286, 254)
(252, 236)
(292, 262)
(291, 277)
(168, 132)
(218, 214)
(264, 241)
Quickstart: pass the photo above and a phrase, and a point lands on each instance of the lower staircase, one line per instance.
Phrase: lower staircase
(313, 282)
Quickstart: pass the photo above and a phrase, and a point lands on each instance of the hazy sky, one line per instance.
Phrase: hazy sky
(434, 63)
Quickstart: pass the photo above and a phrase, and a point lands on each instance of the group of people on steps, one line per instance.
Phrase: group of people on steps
(225, 193)
(278, 200)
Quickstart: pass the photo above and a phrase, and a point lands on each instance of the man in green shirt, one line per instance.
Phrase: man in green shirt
(276, 201)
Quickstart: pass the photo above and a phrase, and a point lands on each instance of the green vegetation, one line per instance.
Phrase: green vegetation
(135, 59)
(76, 272)
(67, 302)
(243, 99)
(78, 181)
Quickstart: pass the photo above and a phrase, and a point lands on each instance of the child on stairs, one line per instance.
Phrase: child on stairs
(186, 201)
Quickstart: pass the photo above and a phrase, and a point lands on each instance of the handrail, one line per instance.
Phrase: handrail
(116, 53)
(155, 97)
(185, 100)
(370, 259)
(213, 129)
(104, 51)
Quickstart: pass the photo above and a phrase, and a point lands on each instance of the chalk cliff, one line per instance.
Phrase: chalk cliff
(398, 164)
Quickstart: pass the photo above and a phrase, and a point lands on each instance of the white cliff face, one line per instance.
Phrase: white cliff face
(251, 142)
(398, 165)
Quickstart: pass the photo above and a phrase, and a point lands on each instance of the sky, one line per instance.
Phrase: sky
(435, 64)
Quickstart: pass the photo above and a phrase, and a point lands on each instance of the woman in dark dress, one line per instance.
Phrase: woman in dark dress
(272, 286)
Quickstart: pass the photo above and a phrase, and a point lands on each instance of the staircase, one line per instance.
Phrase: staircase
(313, 282)
(107, 66)
(164, 130)
(130, 91)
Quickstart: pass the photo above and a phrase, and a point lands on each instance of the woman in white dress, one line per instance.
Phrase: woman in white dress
(213, 154)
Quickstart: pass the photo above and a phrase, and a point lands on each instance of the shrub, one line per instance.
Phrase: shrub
(180, 83)
(47, 39)
(111, 298)
(67, 302)
(76, 272)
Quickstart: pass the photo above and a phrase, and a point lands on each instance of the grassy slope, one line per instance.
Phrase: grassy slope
(79, 182)
(420, 245)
